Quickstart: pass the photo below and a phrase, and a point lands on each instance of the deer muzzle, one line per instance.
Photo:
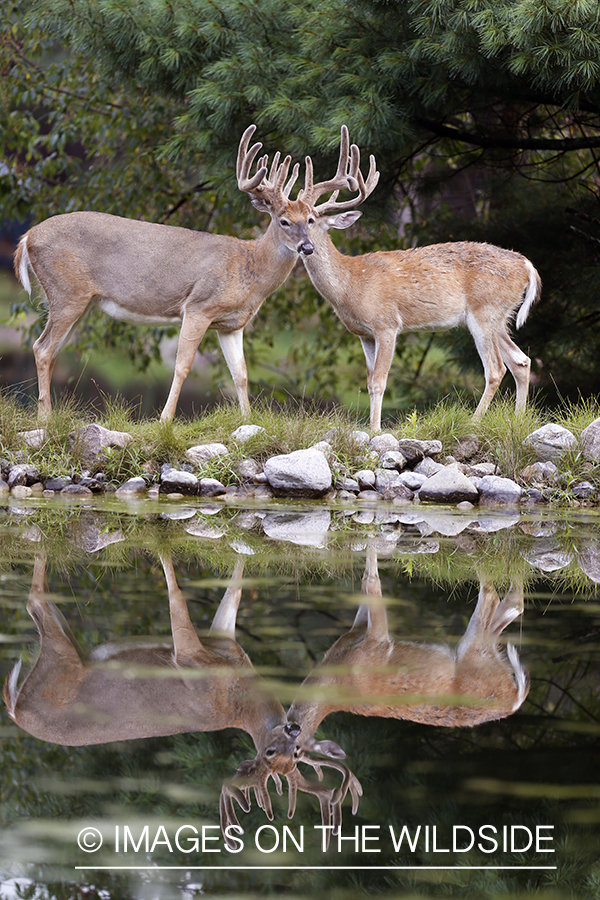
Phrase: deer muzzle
(305, 248)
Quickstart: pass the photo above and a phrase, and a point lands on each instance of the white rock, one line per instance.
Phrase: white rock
(494, 489)
(382, 442)
(447, 486)
(300, 471)
(245, 432)
(201, 453)
(590, 441)
(551, 441)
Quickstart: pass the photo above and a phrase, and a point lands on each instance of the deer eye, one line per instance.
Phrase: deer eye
(270, 752)
(311, 221)
(284, 223)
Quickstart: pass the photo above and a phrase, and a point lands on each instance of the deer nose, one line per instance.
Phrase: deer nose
(292, 729)
(306, 248)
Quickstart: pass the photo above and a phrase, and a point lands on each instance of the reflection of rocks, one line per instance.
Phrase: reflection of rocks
(307, 529)
(548, 556)
(202, 530)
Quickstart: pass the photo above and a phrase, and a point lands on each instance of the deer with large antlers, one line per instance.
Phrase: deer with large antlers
(150, 274)
(143, 688)
(379, 295)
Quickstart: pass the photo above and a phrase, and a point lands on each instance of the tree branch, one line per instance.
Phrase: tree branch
(516, 143)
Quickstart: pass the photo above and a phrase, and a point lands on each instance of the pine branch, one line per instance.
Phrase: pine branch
(516, 143)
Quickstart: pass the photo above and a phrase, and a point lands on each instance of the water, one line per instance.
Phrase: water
(477, 765)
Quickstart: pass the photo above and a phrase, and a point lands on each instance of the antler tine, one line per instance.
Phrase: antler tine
(348, 175)
(245, 158)
(292, 181)
(349, 782)
(228, 816)
(296, 782)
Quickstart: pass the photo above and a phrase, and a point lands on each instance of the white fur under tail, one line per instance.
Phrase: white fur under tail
(530, 296)
(24, 266)
(521, 677)
(11, 692)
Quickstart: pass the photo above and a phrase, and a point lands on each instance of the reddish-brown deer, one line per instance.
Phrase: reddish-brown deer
(151, 274)
(379, 295)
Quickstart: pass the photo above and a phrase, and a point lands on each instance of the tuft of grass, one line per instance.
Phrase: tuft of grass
(502, 433)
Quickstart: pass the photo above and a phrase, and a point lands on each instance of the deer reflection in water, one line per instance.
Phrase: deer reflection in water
(117, 692)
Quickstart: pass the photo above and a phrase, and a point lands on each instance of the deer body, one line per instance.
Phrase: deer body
(368, 673)
(151, 274)
(434, 288)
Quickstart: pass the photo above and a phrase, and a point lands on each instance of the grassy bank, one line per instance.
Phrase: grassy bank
(499, 432)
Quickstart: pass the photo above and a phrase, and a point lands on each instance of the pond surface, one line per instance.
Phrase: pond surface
(438, 669)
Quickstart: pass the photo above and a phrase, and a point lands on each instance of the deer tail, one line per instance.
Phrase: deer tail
(11, 692)
(532, 294)
(22, 264)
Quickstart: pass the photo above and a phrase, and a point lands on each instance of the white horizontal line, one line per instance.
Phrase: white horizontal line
(313, 868)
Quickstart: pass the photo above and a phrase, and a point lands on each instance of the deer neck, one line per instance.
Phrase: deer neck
(328, 269)
(273, 261)
(260, 717)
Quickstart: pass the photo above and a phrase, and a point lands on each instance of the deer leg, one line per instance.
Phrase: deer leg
(45, 350)
(192, 331)
(224, 620)
(232, 345)
(372, 615)
(57, 641)
(519, 366)
(379, 352)
(510, 607)
(186, 643)
(491, 358)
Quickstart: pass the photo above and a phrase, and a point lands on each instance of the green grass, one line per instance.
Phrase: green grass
(299, 425)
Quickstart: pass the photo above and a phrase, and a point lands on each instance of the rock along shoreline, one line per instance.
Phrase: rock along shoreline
(400, 471)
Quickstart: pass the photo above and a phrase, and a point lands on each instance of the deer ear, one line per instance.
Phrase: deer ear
(328, 748)
(260, 204)
(344, 220)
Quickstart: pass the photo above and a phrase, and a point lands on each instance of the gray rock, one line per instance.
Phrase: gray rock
(412, 480)
(589, 561)
(57, 484)
(540, 472)
(360, 438)
(447, 486)
(415, 450)
(382, 442)
(91, 440)
(428, 467)
(20, 491)
(211, 487)
(494, 489)
(33, 439)
(483, 469)
(584, 490)
(175, 481)
(301, 473)
(366, 479)
(201, 453)
(369, 495)
(133, 487)
(23, 474)
(393, 459)
(548, 556)
(202, 530)
(347, 484)
(398, 492)
(4, 488)
(467, 447)
(590, 441)
(245, 432)
(75, 490)
(247, 469)
(305, 529)
(385, 478)
(324, 446)
(551, 441)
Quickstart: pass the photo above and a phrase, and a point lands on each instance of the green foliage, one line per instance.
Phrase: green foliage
(136, 108)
